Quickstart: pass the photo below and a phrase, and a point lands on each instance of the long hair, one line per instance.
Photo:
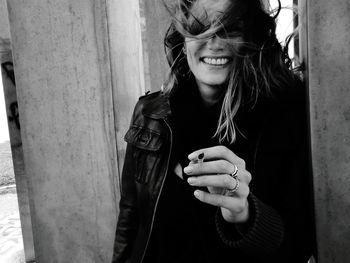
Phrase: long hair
(259, 67)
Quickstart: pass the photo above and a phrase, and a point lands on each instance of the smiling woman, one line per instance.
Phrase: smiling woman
(214, 159)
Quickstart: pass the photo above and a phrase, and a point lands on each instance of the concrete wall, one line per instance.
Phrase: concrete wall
(4, 23)
(155, 21)
(65, 96)
(328, 63)
(128, 78)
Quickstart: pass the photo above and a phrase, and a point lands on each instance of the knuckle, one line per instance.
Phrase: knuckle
(245, 191)
(228, 152)
(242, 163)
(247, 176)
(222, 148)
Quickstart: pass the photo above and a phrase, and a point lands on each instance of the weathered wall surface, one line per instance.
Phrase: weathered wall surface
(155, 21)
(4, 23)
(328, 75)
(64, 90)
(126, 64)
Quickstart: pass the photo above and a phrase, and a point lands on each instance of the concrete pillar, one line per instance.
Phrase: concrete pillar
(64, 90)
(155, 21)
(4, 25)
(127, 64)
(15, 135)
(328, 64)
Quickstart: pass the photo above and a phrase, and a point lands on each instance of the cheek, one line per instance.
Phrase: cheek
(194, 47)
(191, 60)
(192, 51)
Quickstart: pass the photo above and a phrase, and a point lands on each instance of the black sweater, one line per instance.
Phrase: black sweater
(272, 141)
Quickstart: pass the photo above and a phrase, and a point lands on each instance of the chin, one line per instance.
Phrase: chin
(215, 81)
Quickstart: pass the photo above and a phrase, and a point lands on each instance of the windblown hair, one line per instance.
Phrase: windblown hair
(260, 65)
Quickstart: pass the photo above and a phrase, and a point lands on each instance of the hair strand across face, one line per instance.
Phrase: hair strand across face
(261, 66)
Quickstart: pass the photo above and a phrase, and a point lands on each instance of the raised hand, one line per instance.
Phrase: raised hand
(226, 178)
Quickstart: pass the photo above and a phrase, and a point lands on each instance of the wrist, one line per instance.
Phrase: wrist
(234, 217)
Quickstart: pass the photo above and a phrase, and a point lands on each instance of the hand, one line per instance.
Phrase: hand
(214, 173)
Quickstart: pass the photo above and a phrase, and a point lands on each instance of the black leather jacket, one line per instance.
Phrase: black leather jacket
(276, 229)
(147, 159)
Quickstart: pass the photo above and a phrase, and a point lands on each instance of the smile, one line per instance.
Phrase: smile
(215, 61)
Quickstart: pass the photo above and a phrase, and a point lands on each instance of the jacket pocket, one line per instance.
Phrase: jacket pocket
(146, 155)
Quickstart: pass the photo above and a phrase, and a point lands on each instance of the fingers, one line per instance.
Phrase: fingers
(223, 181)
(217, 152)
(218, 166)
(210, 170)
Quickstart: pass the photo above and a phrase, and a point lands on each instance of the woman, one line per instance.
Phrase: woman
(216, 166)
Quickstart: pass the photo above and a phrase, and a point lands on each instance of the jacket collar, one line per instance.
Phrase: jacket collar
(156, 106)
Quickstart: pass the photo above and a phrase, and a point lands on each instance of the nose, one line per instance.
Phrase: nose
(215, 43)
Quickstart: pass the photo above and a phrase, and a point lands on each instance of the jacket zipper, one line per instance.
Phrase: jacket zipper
(161, 188)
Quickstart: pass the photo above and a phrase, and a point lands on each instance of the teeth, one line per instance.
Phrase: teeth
(216, 61)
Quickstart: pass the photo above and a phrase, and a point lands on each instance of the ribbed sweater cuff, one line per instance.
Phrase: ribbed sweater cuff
(264, 235)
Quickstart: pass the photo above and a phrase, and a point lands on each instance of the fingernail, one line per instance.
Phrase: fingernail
(196, 193)
(191, 180)
(188, 169)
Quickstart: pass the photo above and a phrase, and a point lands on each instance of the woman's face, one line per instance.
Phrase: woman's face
(210, 60)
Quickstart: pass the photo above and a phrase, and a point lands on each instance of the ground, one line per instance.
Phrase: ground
(11, 243)
(6, 167)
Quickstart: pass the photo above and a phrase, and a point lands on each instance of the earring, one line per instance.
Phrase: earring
(184, 50)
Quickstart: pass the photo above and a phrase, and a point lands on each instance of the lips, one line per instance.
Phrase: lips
(215, 61)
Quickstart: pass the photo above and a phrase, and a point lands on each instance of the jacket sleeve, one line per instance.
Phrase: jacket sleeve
(128, 221)
(281, 225)
(128, 218)
(261, 236)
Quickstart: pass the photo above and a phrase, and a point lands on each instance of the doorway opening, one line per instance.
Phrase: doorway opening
(11, 239)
